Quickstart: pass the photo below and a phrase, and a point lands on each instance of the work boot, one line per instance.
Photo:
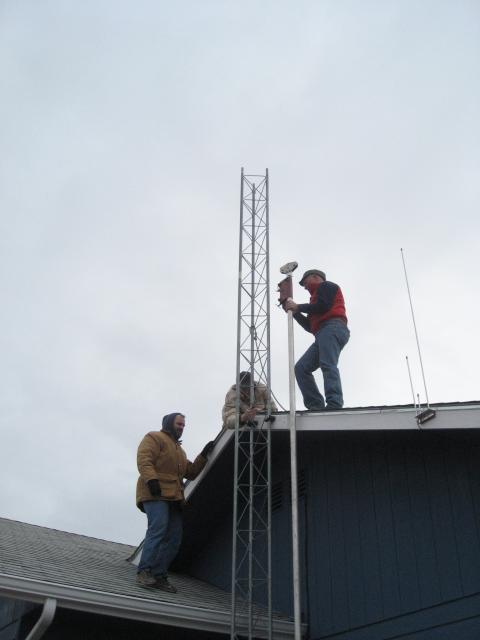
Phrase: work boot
(145, 579)
(163, 584)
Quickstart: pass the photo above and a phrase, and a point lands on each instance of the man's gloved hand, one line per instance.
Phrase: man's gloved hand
(248, 416)
(290, 305)
(270, 418)
(207, 449)
(154, 487)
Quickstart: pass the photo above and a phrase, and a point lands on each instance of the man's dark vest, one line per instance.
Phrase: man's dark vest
(337, 310)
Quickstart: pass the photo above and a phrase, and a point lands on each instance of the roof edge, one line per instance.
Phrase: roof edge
(130, 607)
(454, 415)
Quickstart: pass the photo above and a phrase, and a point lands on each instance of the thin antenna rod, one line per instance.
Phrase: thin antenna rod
(411, 383)
(416, 333)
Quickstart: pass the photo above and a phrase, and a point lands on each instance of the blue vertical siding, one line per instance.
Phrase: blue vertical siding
(395, 520)
(473, 459)
(390, 535)
(440, 503)
(426, 557)
(463, 516)
(370, 534)
(385, 527)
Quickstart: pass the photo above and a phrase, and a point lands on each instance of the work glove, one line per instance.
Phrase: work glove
(270, 418)
(248, 416)
(154, 487)
(207, 449)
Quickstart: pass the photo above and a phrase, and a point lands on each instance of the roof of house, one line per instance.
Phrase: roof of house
(448, 415)
(89, 574)
(459, 416)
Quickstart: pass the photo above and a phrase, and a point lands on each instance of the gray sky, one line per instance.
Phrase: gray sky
(123, 128)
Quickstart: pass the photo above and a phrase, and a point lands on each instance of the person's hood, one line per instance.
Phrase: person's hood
(167, 425)
(245, 392)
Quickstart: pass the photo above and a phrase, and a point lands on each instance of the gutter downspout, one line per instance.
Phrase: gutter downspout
(45, 619)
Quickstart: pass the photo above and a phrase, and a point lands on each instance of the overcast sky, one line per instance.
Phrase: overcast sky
(123, 129)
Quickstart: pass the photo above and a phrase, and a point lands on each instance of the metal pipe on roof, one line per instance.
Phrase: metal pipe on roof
(269, 411)
(285, 288)
(251, 492)
(416, 332)
(237, 422)
(45, 619)
(294, 481)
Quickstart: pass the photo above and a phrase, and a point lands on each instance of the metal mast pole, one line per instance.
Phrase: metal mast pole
(286, 292)
(415, 329)
(251, 543)
(269, 404)
(294, 480)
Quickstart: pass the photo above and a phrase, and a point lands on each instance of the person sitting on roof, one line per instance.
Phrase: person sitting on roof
(248, 410)
(163, 464)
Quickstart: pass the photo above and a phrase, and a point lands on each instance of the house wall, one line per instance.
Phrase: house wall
(390, 544)
(12, 613)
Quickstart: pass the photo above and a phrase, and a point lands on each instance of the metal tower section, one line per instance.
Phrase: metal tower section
(251, 548)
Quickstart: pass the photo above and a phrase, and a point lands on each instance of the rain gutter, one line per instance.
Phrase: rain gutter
(122, 606)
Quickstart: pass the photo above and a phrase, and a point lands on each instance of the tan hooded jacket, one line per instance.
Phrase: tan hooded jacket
(228, 411)
(160, 457)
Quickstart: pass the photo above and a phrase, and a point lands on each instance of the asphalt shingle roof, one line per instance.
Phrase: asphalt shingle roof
(91, 574)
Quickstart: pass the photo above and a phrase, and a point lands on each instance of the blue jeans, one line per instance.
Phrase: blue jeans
(163, 537)
(324, 353)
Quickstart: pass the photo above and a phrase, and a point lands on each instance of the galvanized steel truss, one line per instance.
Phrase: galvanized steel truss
(251, 554)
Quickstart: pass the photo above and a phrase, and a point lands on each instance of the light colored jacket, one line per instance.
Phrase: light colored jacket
(161, 458)
(228, 411)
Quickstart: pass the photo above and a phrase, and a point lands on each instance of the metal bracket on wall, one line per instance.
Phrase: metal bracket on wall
(425, 416)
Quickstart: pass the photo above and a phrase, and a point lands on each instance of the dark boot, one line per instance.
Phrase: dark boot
(146, 579)
(163, 584)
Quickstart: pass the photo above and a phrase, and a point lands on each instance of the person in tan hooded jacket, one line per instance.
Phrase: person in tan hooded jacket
(248, 411)
(163, 465)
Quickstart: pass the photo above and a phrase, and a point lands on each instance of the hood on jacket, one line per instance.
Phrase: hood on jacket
(167, 424)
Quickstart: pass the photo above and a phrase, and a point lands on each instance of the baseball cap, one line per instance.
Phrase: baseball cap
(312, 272)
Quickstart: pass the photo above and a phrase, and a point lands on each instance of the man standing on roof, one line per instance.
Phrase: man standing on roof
(163, 464)
(327, 320)
(248, 411)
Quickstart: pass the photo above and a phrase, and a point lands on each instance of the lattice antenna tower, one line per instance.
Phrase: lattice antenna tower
(251, 544)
